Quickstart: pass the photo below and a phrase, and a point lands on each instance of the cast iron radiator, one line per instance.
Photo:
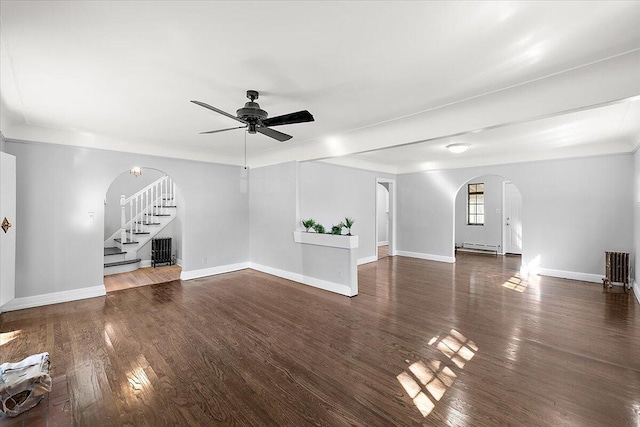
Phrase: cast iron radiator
(616, 268)
(161, 251)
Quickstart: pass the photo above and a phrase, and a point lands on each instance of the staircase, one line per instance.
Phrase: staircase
(142, 217)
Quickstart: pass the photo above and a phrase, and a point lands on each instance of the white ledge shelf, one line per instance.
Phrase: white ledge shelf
(331, 240)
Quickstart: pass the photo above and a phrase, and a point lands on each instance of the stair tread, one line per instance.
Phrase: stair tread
(116, 263)
(159, 214)
(139, 232)
(126, 242)
(167, 206)
(149, 223)
(113, 251)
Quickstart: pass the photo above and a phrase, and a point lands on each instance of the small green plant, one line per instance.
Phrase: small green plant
(337, 229)
(348, 223)
(319, 228)
(308, 223)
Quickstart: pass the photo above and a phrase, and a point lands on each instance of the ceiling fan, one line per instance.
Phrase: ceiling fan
(255, 119)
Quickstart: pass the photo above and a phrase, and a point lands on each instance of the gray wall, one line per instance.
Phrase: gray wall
(126, 184)
(329, 192)
(281, 195)
(491, 232)
(59, 248)
(273, 217)
(573, 210)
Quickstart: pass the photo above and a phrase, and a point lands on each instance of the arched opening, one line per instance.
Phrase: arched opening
(143, 213)
(488, 216)
(385, 218)
(382, 219)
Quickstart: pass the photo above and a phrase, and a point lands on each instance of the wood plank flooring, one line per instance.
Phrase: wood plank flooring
(142, 277)
(424, 343)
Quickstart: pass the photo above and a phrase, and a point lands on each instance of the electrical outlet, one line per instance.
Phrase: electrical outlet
(339, 274)
(91, 216)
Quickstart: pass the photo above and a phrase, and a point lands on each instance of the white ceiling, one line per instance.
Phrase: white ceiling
(534, 80)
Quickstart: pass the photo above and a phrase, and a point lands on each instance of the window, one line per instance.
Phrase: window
(475, 204)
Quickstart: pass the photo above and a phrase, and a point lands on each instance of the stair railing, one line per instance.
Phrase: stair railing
(144, 204)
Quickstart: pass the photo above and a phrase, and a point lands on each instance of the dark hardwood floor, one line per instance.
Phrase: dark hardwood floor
(424, 343)
(142, 277)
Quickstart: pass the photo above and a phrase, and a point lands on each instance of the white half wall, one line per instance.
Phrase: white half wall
(573, 210)
(281, 195)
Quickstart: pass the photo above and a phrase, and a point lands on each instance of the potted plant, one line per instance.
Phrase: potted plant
(308, 223)
(348, 223)
(319, 228)
(337, 229)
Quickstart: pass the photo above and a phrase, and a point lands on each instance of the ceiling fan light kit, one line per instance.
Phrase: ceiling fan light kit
(256, 120)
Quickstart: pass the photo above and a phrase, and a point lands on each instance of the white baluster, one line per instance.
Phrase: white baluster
(164, 194)
(146, 205)
(131, 219)
(123, 220)
(137, 212)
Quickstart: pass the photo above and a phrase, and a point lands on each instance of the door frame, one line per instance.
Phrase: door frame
(391, 231)
(504, 215)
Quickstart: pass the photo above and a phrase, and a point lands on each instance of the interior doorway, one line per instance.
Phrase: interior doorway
(142, 228)
(385, 218)
(512, 219)
(488, 216)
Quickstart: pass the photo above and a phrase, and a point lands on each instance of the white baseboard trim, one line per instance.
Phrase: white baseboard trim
(305, 280)
(585, 277)
(636, 291)
(430, 257)
(367, 260)
(383, 243)
(145, 263)
(179, 262)
(195, 274)
(54, 298)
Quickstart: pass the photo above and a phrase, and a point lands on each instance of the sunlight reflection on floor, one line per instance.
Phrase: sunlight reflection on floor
(7, 337)
(428, 382)
(516, 283)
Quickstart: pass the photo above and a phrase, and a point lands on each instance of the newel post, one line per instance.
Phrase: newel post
(123, 220)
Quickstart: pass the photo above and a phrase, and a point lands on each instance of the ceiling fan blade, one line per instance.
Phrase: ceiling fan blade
(222, 130)
(289, 119)
(282, 137)
(217, 110)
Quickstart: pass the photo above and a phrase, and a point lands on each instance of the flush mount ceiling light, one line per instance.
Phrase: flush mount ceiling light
(458, 148)
(136, 171)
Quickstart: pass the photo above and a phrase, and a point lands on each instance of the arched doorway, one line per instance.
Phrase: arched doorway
(488, 216)
(142, 227)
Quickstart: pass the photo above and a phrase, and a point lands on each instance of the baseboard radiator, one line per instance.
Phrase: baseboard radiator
(616, 269)
(161, 251)
(481, 247)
